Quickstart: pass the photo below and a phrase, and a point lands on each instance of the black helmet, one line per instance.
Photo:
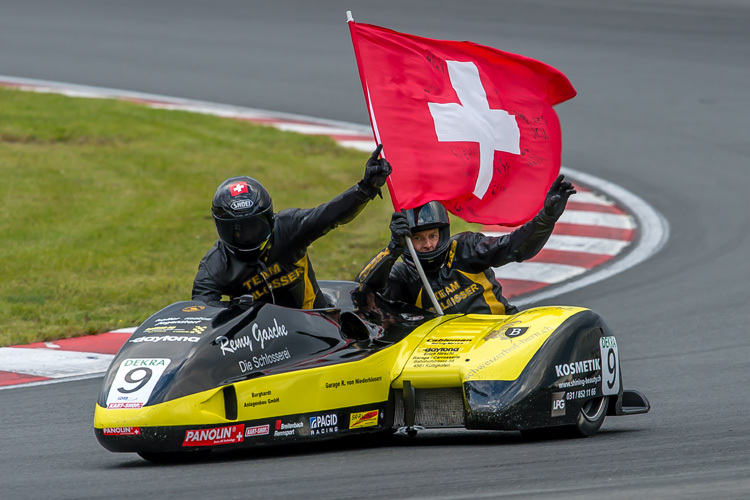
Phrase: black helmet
(430, 216)
(243, 213)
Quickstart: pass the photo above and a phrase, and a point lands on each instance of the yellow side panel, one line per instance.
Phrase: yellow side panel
(305, 391)
(478, 347)
(444, 352)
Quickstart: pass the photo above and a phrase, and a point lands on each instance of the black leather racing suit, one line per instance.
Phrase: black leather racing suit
(284, 275)
(465, 283)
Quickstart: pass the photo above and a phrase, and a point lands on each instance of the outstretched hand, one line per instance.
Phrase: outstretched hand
(557, 197)
(377, 170)
(399, 232)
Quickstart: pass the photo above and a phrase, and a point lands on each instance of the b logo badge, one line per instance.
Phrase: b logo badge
(516, 332)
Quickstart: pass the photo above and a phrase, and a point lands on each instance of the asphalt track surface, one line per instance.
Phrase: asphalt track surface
(662, 111)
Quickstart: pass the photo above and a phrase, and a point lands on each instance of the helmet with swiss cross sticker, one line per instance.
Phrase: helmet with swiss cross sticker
(243, 214)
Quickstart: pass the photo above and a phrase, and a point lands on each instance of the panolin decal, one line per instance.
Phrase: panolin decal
(215, 436)
(324, 424)
(257, 430)
(284, 429)
(610, 359)
(558, 404)
(134, 381)
(121, 431)
(363, 419)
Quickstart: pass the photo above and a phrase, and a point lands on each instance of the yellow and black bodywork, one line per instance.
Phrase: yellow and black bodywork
(196, 377)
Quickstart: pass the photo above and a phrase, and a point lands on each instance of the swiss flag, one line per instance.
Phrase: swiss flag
(468, 125)
(238, 188)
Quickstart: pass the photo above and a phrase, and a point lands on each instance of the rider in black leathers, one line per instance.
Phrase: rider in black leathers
(263, 254)
(459, 269)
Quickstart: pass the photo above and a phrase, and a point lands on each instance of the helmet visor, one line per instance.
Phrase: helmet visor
(249, 233)
(427, 216)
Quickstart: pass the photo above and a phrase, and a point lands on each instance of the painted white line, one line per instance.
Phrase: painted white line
(130, 329)
(538, 271)
(312, 129)
(590, 197)
(203, 106)
(65, 92)
(582, 244)
(597, 219)
(365, 146)
(207, 110)
(52, 363)
(51, 381)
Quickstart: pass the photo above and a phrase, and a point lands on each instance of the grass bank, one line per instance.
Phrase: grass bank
(105, 207)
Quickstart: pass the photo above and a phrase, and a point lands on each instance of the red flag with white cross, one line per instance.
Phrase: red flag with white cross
(462, 123)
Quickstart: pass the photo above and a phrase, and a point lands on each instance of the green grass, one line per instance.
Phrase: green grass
(105, 207)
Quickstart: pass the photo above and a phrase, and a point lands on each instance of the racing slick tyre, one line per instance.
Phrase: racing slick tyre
(590, 420)
(591, 417)
(174, 458)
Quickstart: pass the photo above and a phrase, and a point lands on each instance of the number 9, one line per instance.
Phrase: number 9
(140, 381)
(612, 367)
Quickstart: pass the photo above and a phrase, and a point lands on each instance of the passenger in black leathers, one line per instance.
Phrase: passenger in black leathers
(458, 268)
(263, 254)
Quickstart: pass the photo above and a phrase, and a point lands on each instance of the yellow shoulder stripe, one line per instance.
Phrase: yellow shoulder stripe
(496, 306)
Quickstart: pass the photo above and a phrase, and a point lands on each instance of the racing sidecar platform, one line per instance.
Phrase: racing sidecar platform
(196, 377)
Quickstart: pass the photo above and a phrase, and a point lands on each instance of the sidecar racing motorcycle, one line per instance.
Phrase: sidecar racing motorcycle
(194, 377)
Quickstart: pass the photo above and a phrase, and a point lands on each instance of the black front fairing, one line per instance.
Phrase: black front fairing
(206, 346)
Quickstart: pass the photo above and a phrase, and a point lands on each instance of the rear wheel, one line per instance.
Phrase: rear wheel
(590, 420)
(591, 417)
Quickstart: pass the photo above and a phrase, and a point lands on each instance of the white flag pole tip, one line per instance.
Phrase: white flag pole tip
(349, 17)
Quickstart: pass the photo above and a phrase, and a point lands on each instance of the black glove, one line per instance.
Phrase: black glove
(557, 197)
(377, 171)
(399, 232)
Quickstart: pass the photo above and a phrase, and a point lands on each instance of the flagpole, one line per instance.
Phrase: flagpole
(373, 122)
(422, 275)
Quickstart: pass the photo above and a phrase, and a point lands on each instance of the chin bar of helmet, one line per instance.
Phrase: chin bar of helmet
(426, 283)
